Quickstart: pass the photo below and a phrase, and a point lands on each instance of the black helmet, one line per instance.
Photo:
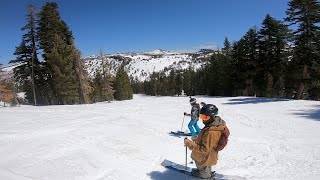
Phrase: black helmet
(208, 112)
(192, 100)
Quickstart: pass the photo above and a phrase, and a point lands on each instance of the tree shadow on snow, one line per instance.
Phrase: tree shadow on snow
(313, 114)
(253, 100)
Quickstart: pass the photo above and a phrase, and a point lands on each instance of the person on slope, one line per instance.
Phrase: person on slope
(204, 147)
(193, 124)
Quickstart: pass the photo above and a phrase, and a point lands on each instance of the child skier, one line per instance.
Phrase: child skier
(204, 147)
(195, 109)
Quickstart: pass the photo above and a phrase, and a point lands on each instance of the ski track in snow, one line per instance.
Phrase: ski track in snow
(270, 139)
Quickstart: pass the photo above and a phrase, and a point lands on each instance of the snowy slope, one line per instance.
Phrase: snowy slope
(270, 139)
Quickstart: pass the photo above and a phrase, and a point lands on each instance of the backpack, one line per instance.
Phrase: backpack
(223, 141)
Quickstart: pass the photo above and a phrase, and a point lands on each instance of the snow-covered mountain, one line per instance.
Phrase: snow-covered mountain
(7, 72)
(141, 65)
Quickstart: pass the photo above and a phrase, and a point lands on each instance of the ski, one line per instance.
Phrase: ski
(179, 168)
(187, 171)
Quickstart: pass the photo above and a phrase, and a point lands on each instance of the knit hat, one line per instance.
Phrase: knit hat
(192, 100)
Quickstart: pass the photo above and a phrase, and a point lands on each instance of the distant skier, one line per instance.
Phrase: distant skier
(193, 124)
(205, 147)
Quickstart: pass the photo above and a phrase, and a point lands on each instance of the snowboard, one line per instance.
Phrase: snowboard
(187, 171)
(180, 133)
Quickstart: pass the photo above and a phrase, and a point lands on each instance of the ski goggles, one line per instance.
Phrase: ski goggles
(204, 117)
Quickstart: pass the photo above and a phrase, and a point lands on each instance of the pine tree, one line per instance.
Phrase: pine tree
(163, 84)
(251, 43)
(178, 82)
(244, 63)
(154, 84)
(315, 85)
(96, 94)
(31, 38)
(82, 76)
(273, 57)
(305, 14)
(85, 88)
(227, 49)
(62, 63)
(186, 82)
(227, 68)
(63, 73)
(147, 87)
(49, 27)
(122, 86)
(107, 84)
(27, 73)
(237, 57)
(171, 83)
(189, 82)
(218, 79)
(137, 86)
(202, 81)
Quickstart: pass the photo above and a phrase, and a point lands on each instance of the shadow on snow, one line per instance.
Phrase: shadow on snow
(167, 174)
(313, 114)
(173, 175)
(254, 100)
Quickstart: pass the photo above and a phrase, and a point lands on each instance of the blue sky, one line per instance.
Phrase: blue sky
(143, 25)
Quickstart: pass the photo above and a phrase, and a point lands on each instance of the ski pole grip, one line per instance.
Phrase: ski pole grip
(183, 141)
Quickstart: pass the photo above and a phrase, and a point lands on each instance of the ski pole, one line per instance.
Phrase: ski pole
(182, 122)
(186, 159)
(186, 156)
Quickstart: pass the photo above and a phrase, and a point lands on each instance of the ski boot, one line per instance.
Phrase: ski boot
(213, 173)
(195, 172)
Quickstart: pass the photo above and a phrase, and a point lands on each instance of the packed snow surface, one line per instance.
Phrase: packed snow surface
(270, 139)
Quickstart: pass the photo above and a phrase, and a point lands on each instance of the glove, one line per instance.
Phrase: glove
(187, 142)
(194, 139)
(185, 113)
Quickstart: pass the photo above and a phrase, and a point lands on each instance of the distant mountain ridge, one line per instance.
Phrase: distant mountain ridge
(139, 65)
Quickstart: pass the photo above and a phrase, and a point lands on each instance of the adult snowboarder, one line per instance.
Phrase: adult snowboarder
(193, 124)
(203, 147)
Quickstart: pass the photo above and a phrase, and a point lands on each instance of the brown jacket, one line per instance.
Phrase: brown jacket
(203, 147)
